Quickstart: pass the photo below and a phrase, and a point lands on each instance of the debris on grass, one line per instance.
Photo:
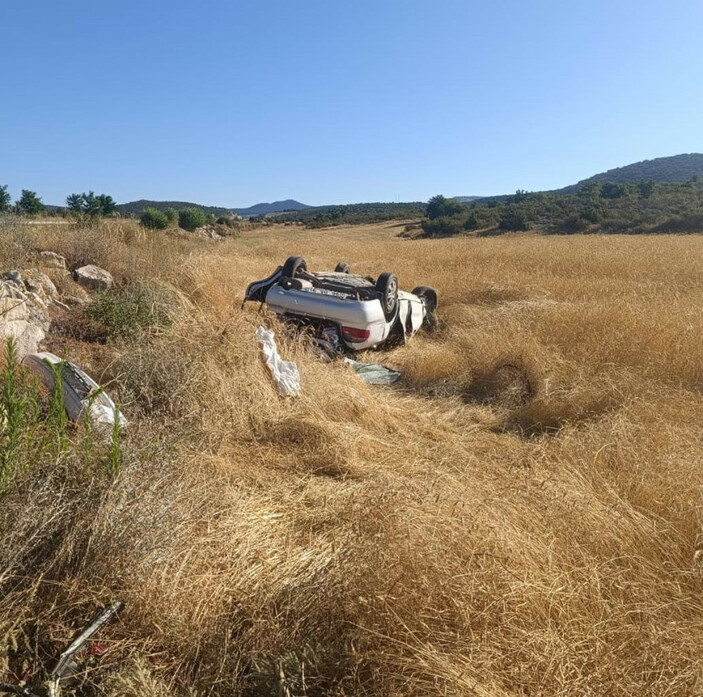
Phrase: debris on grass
(82, 395)
(285, 373)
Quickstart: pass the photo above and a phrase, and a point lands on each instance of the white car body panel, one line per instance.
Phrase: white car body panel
(360, 314)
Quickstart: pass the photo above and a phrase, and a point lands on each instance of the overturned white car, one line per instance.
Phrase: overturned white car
(346, 311)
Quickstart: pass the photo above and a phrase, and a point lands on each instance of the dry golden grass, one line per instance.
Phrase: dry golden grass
(429, 540)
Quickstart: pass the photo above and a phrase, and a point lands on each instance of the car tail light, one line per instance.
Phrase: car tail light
(354, 335)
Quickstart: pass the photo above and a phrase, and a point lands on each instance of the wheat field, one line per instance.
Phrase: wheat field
(441, 537)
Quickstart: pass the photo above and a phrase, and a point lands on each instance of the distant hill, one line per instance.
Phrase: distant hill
(266, 208)
(137, 207)
(677, 168)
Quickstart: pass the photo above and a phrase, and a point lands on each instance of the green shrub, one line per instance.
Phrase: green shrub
(612, 190)
(191, 218)
(683, 223)
(154, 219)
(512, 219)
(441, 207)
(171, 214)
(573, 224)
(128, 311)
(442, 227)
(30, 203)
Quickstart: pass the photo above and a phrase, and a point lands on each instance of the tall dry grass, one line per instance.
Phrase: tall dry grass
(432, 539)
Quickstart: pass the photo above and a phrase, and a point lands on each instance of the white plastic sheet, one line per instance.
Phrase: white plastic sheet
(285, 373)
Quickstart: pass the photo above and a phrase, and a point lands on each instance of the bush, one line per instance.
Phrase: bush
(683, 223)
(513, 220)
(5, 199)
(154, 219)
(227, 220)
(130, 310)
(191, 218)
(612, 190)
(573, 224)
(30, 203)
(171, 214)
(442, 227)
(441, 207)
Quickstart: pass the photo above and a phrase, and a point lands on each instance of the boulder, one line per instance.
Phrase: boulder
(93, 277)
(53, 260)
(22, 315)
(40, 284)
(77, 296)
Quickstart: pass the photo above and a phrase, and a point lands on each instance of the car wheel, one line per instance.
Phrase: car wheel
(293, 267)
(387, 288)
(342, 267)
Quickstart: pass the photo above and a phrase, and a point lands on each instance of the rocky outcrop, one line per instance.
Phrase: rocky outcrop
(93, 277)
(23, 314)
(40, 284)
(52, 260)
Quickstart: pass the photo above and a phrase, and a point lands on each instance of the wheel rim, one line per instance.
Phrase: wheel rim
(391, 292)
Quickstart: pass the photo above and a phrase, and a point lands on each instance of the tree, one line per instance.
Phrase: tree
(91, 205)
(107, 204)
(513, 220)
(646, 188)
(191, 218)
(589, 191)
(74, 203)
(5, 199)
(441, 207)
(613, 190)
(154, 219)
(30, 203)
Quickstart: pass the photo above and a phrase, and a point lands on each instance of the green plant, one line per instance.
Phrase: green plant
(441, 207)
(130, 310)
(114, 455)
(613, 190)
(5, 199)
(191, 218)
(154, 219)
(573, 223)
(13, 410)
(171, 214)
(442, 227)
(512, 219)
(29, 203)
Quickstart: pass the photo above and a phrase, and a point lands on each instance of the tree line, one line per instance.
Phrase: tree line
(596, 207)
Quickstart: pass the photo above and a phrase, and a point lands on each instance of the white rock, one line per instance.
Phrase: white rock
(52, 259)
(21, 317)
(93, 277)
(39, 283)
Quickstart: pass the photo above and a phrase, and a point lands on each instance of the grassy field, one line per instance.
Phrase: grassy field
(445, 537)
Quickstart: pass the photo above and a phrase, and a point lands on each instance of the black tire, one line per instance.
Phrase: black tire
(428, 296)
(293, 267)
(387, 288)
(342, 267)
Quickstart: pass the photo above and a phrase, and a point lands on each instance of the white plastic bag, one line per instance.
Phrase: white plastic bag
(285, 373)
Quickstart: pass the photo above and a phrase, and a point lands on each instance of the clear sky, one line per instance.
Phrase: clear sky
(236, 102)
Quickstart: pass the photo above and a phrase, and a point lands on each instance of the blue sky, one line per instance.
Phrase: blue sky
(233, 103)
